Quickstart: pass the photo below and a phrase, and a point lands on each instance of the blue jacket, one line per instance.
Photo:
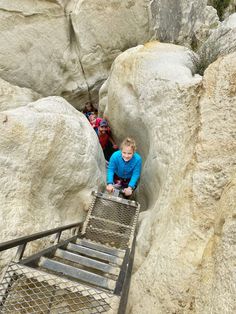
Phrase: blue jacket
(124, 169)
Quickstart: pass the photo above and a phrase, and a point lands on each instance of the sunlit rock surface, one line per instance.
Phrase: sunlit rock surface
(186, 132)
(50, 161)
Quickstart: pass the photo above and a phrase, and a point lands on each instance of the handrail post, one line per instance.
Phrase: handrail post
(20, 252)
(75, 230)
(57, 238)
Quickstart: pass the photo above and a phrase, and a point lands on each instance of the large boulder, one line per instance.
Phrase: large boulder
(14, 96)
(186, 134)
(221, 42)
(50, 161)
(127, 99)
(66, 48)
(104, 29)
(182, 22)
(214, 188)
(38, 50)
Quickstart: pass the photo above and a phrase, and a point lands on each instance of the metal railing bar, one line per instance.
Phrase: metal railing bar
(122, 287)
(115, 199)
(48, 252)
(16, 242)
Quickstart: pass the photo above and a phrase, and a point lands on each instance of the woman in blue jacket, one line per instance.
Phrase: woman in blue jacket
(124, 167)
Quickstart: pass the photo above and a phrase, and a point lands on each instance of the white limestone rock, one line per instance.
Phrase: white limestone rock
(217, 284)
(13, 96)
(37, 50)
(104, 29)
(50, 161)
(214, 187)
(186, 134)
(129, 99)
(66, 48)
(221, 42)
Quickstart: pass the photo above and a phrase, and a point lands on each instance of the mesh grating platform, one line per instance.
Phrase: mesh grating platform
(111, 221)
(25, 290)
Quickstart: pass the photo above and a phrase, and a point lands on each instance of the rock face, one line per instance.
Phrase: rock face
(37, 50)
(221, 42)
(214, 187)
(231, 8)
(185, 127)
(183, 22)
(14, 96)
(66, 48)
(186, 133)
(50, 161)
(103, 29)
(126, 96)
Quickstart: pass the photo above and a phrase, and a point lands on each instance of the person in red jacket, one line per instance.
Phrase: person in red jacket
(106, 140)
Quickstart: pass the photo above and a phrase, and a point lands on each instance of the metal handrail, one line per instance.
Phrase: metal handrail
(22, 240)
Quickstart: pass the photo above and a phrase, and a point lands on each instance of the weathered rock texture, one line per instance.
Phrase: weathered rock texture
(221, 42)
(224, 7)
(37, 51)
(186, 133)
(67, 47)
(230, 9)
(13, 96)
(214, 188)
(169, 71)
(183, 22)
(50, 160)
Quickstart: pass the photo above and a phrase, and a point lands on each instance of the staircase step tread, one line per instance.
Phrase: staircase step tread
(109, 232)
(115, 223)
(86, 261)
(94, 253)
(76, 273)
(100, 247)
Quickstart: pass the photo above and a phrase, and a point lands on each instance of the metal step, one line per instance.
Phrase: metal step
(101, 247)
(86, 261)
(108, 237)
(93, 253)
(77, 273)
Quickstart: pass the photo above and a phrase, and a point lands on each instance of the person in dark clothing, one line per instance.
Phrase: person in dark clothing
(89, 109)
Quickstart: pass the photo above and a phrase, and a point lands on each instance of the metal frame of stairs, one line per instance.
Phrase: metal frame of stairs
(89, 272)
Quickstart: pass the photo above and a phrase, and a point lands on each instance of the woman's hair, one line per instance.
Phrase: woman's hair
(89, 104)
(128, 141)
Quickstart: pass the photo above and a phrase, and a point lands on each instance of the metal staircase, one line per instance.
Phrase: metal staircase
(89, 272)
